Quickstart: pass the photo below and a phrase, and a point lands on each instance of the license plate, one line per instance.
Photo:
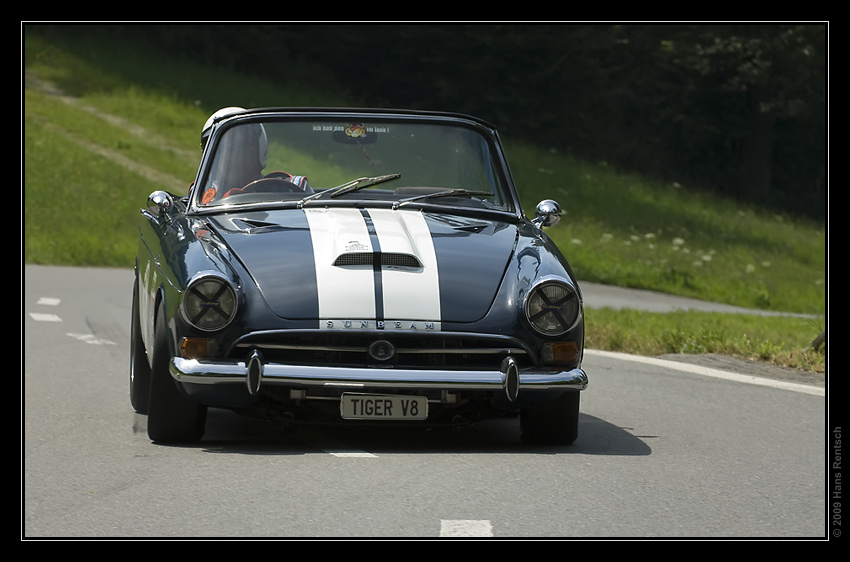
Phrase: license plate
(383, 407)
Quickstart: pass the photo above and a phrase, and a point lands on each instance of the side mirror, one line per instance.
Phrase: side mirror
(161, 200)
(159, 205)
(548, 213)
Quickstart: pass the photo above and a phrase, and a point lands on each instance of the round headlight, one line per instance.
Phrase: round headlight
(552, 308)
(210, 303)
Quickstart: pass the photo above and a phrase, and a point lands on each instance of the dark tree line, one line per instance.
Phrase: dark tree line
(738, 108)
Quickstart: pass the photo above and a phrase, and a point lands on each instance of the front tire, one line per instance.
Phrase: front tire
(140, 369)
(172, 417)
(554, 422)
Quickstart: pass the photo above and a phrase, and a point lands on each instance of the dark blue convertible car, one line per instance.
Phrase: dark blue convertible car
(353, 267)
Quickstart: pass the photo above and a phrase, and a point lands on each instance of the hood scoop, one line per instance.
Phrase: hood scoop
(254, 223)
(383, 259)
(473, 228)
(252, 226)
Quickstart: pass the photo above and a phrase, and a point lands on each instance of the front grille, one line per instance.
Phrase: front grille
(385, 259)
(412, 351)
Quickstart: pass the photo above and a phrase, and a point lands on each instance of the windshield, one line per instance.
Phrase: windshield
(316, 162)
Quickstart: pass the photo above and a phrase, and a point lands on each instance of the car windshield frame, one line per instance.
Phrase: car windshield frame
(381, 186)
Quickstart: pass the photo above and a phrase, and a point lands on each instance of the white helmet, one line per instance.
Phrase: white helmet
(223, 112)
(262, 139)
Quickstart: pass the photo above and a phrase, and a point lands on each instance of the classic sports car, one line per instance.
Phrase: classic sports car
(353, 267)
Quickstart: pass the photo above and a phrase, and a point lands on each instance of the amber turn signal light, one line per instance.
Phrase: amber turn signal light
(196, 348)
(559, 352)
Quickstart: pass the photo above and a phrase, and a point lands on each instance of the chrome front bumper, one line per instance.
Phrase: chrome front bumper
(255, 372)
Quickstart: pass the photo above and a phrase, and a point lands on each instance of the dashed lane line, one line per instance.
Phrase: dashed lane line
(351, 454)
(465, 528)
(50, 317)
(44, 317)
(91, 339)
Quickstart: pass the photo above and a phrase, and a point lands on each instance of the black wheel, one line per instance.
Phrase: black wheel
(172, 417)
(554, 422)
(140, 369)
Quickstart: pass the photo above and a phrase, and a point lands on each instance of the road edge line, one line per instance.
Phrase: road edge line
(716, 373)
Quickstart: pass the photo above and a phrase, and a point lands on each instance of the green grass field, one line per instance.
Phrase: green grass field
(129, 123)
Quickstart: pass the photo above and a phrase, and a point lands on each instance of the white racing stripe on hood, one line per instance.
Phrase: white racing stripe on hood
(343, 292)
(348, 293)
(408, 294)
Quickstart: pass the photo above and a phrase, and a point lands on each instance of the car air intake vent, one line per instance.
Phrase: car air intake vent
(386, 259)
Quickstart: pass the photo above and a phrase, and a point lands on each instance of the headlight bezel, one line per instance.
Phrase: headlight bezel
(210, 303)
(545, 293)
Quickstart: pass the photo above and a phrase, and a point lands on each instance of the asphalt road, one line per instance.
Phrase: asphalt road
(664, 450)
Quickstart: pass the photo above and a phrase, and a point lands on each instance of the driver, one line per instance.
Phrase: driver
(240, 159)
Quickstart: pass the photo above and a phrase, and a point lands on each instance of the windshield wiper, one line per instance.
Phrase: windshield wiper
(360, 183)
(349, 186)
(447, 193)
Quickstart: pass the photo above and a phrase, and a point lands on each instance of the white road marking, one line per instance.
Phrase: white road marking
(466, 528)
(352, 454)
(716, 373)
(92, 339)
(42, 317)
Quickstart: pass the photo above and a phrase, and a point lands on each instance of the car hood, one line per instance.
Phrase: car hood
(346, 264)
